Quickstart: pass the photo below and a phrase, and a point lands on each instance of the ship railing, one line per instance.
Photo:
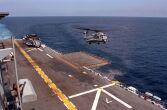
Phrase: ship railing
(150, 99)
(159, 103)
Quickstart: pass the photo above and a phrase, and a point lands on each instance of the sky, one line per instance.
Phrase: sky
(139, 8)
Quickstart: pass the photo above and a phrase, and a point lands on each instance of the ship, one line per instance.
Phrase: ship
(3, 14)
(43, 78)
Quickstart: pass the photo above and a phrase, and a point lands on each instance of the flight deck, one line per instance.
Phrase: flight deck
(61, 85)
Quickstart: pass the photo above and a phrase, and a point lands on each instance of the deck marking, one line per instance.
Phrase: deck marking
(40, 49)
(96, 100)
(84, 72)
(49, 55)
(95, 85)
(31, 49)
(117, 99)
(83, 93)
(100, 75)
(92, 90)
(48, 81)
(99, 90)
(107, 101)
(70, 76)
(109, 85)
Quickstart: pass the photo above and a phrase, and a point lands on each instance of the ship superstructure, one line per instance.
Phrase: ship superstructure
(3, 14)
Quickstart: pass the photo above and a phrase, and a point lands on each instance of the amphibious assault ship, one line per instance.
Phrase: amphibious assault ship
(3, 14)
(44, 79)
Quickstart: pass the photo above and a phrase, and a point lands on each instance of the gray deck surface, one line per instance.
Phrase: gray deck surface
(59, 72)
(85, 59)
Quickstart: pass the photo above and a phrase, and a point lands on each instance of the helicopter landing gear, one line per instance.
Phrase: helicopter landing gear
(98, 43)
(89, 42)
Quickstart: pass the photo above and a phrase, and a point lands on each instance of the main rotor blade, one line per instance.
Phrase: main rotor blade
(82, 28)
(89, 29)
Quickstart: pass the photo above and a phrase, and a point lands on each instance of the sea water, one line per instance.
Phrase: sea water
(137, 47)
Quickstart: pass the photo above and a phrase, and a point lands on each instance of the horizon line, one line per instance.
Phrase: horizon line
(90, 16)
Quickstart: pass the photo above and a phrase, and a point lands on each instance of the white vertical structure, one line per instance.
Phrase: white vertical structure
(16, 72)
(29, 94)
(96, 100)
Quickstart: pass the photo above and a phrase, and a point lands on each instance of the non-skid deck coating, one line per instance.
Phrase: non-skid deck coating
(85, 59)
(71, 82)
(47, 80)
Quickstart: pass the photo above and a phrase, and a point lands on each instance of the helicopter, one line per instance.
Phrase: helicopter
(97, 37)
(32, 40)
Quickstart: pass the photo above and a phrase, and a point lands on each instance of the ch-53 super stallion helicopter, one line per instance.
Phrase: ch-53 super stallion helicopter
(32, 40)
(97, 37)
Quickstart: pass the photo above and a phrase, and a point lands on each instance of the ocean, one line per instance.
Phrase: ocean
(137, 47)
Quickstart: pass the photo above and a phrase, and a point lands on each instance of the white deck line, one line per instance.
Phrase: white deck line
(96, 100)
(107, 85)
(40, 49)
(89, 91)
(83, 93)
(107, 101)
(31, 49)
(95, 85)
(70, 76)
(117, 99)
(66, 106)
(59, 97)
(49, 55)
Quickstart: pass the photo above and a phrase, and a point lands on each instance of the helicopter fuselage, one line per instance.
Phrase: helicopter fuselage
(98, 35)
(96, 38)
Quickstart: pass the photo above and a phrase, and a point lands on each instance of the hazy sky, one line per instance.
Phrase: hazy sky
(152, 8)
